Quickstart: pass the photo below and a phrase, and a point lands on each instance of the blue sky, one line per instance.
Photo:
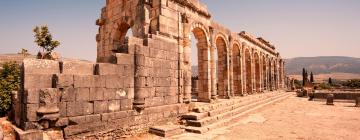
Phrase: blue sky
(296, 27)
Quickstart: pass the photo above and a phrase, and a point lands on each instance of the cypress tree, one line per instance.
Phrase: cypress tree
(311, 77)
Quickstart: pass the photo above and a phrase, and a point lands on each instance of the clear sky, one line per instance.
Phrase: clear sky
(296, 27)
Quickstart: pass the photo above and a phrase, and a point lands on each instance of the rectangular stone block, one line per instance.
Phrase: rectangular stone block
(74, 109)
(109, 69)
(100, 107)
(93, 118)
(32, 96)
(77, 67)
(84, 81)
(68, 94)
(125, 59)
(171, 99)
(62, 108)
(40, 66)
(126, 104)
(32, 81)
(64, 81)
(114, 105)
(77, 120)
(31, 112)
(82, 94)
(97, 94)
(115, 81)
(88, 108)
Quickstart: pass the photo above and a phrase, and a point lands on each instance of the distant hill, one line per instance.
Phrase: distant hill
(323, 65)
(18, 58)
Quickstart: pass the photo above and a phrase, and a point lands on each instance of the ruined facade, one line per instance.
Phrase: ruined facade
(230, 63)
(145, 79)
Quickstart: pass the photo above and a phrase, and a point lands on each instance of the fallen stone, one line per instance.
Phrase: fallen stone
(166, 130)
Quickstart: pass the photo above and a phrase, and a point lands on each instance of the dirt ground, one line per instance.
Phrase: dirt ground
(292, 118)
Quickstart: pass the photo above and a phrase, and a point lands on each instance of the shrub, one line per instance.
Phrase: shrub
(324, 86)
(9, 81)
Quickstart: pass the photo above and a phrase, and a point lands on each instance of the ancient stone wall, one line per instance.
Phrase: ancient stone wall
(82, 98)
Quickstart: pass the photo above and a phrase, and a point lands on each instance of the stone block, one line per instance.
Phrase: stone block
(171, 99)
(107, 116)
(62, 107)
(32, 96)
(110, 94)
(32, 81)
(93, 118)
(109, 69)
(100, 107)
(82, 94)
(77, 67)
(114, 105)
(64, 81)
(124, 59)
(126, 104)
(77, 120)
(84, 81)
(88, 108)
(68, 94)
(49, 99)
(31, 112)
(114, 82)
(40, 66)
(121, 114)
(97, 94)
(62, 122)
(73, 109)
(99, 81)
(129, 70)
(166, 130)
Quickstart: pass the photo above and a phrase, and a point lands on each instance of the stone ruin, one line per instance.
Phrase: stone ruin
(146, 79)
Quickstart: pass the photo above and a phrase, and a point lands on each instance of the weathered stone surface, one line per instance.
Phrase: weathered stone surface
(68, 95)
(109, 69)
(166, 130)
(100, 107)
(97, 94)
(64, 81)
(77, 67)
(82, 94)
(33, 81)
(41, 66)
(32, 96)
(124, 59)
(49, 99)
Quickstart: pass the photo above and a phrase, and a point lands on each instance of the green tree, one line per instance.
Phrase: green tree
(303, 76)
(44, 39)
(311, 77)
(9, 81)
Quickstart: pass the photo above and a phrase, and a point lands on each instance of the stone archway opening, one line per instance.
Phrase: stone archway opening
(120, 38)
(196, 54)
(236, 70)
(248, 72)
(221, 67)
(257, 72)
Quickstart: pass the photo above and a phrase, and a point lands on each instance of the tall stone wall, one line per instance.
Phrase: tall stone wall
(82, 99)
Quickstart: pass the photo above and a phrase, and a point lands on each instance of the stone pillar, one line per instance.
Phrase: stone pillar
(330, 99)
(213, 74)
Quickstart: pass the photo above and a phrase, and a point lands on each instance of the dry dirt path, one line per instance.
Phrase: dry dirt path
(293, 118)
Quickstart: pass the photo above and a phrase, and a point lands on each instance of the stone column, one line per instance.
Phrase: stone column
(213, 73)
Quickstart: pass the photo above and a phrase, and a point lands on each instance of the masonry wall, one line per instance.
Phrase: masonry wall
(97, 99)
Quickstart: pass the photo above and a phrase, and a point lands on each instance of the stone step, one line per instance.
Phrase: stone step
(226, 102)
(232, 110)
(167, 130)
(219, 108)
(236, 115)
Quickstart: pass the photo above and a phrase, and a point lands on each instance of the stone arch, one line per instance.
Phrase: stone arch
(236, 68)
(222, 66)
(257, 71)
(119, 36)
(197, 86)
(248, 72)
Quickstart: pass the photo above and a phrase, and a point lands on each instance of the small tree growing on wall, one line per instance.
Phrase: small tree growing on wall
(44, 40)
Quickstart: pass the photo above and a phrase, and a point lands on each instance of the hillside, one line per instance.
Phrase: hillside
(323, 65)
